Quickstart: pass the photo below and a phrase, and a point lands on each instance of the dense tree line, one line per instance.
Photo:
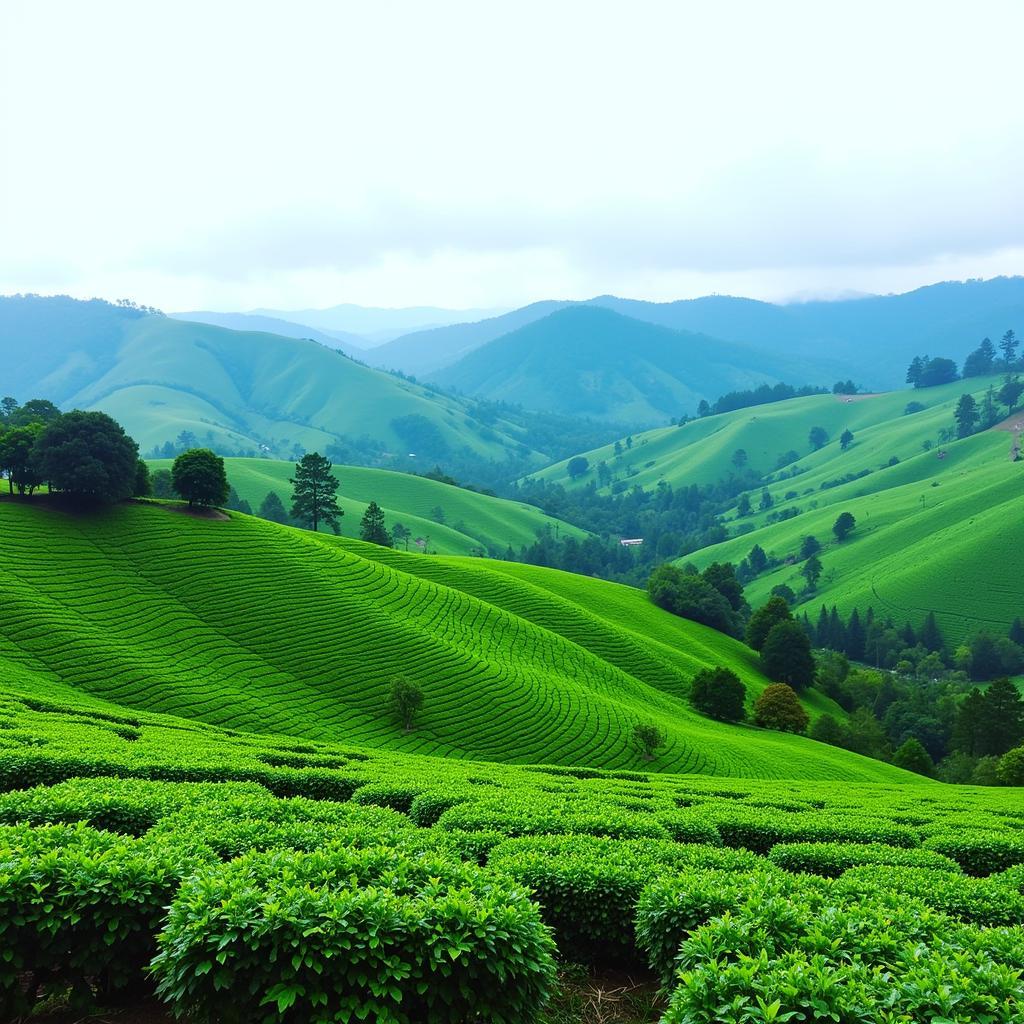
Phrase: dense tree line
(764, 394)
(82, 455)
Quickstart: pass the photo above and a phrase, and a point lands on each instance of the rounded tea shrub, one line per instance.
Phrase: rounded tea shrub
(372, 934)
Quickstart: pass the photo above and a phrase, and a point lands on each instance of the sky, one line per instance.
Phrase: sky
(223, 155)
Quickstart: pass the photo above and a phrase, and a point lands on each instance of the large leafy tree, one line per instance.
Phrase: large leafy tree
(692, 597)
(200, 478)
(778, 707)
(843, 525)
(17, 446)
(764, 620)
(314, 492)
(87, 454)
(372, 528)
(786, 655)
(718, 693)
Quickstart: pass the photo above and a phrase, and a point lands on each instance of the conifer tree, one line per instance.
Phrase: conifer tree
(314, 492)
(930, 636)
(372, 528)
(855, 637)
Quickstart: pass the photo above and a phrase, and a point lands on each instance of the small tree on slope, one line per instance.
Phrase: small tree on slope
(314, 493)
(199, 477)
(371, 526)
(648, 738)
(406, 700)
(779, 708)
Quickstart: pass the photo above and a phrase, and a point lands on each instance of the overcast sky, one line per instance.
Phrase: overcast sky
(290, 154)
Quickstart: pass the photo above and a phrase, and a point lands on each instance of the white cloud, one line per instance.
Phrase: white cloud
(241, 154)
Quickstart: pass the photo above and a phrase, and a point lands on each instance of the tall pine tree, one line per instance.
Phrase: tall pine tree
(372, 528)
(314, 494)
(855, 637)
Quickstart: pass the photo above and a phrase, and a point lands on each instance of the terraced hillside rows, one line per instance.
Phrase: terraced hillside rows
(938, 529)
(258, 627)
(473, 523)
(404, 888)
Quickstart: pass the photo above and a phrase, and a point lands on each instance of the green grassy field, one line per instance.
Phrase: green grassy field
(473, 523)
(938, 530)
(246, 624)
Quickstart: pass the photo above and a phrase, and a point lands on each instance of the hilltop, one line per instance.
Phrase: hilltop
(469, 522)
(593, 362)
(238, 391)
(241, 623)
(938, 529)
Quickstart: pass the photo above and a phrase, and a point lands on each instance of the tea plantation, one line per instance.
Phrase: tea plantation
(204, 798)
(259, 878)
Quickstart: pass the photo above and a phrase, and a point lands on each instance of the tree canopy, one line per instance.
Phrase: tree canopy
(718, 693)
(372, 528)
(314, 492)
(199, 477)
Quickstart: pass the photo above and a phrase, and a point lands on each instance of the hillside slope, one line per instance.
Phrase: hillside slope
(593, 362)
(235, 390)
(472, 523)
(351, 344)
(939, 529)
(242, 623)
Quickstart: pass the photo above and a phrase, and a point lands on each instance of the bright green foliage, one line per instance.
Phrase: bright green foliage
(198, 476)
(314, 493)
(573, 663)
(1011, 767)
(399, 938)
(979, 851)
(832, 859)
(648, 738)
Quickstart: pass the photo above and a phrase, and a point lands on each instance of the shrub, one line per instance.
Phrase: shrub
(832, 859)
(347, 934)
(80, 908)
(978, 852)
(396, 795)
(718, 693)
(778, 707)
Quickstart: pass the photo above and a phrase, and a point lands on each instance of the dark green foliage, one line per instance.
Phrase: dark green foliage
(825, 729)
(718, 693)
(809, 546)
(692, 597)
(811, 571)
(1002, 718)
(776, 610)
(406, 699)
(17, 461)
(87, 454)
(980, 362)
(757, 559)
(779, 708)
(397, 938)
(314, 493)
(199, 477)
(785, 592)
(577, 466)
(845, 439)
(372, 528)
(272, 508)
(162, 486)
(143, 485)
(966, 416)
(722, 576)
(843, 526)
(912, 756)
(236, 503)
(786, 655)
(648, 738)
(817, 438)
(925, 372)
(1010, 770)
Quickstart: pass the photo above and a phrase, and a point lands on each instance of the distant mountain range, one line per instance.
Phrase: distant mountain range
(376, 325)
(589, 361)
(351, 344)
(871, 339)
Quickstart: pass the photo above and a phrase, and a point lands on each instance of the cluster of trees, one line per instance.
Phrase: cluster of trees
(918, 653)
(764, 394)
(713, 597)
(84, 455)
(942, 727)
(971, 415)
(928, 372)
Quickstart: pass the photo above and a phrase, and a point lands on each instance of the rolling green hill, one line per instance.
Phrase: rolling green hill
(938, 530)
(234, 390)
(589, 361)
(473, 523)
(241, 623)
